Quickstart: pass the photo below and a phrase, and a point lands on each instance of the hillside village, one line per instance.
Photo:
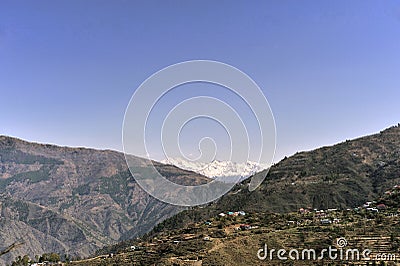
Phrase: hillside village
(375, 225)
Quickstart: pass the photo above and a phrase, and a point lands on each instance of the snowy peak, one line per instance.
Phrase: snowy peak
(225, 170)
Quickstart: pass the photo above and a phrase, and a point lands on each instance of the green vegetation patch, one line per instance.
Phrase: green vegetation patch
(32, 176)
(10, 155)
(116, 186)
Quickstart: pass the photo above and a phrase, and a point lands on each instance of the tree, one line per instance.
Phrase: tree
(51, 257)
(21, 261)
(54, 257)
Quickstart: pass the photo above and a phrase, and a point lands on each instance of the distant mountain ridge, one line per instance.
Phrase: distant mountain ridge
(74, 200)
(341, 176)
(227, 171)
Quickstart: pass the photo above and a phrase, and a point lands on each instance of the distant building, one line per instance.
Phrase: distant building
(381, 206)
(372, 209)
(326, 221)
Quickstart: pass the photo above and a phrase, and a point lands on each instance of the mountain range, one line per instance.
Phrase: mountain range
(73, 201)
(287, 211)
(341, 176)
(226, 171)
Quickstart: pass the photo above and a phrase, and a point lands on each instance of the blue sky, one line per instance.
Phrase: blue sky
(329, 69)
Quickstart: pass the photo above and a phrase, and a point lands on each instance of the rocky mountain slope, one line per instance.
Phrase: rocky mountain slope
(74, 201)
(341, 176)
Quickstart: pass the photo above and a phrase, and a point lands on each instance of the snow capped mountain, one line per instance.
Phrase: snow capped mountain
(226, 171)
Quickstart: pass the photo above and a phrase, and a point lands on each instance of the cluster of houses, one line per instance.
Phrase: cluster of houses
(234, 214)
(372, 206)
(316, 211)
(237, 213)
(322, 215)
(330, 221)
(308, 210)
(246, 227)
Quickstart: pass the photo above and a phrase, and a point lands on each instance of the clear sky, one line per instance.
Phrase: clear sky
(329, 69)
